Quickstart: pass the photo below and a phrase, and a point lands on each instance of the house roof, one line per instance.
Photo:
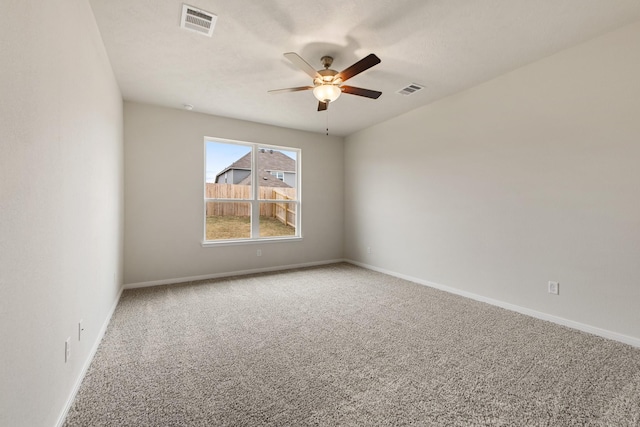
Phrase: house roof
(268, 160)
(266, 180)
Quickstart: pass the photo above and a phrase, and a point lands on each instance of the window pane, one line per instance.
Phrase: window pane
(228, 168)
(228, 220)
(277, 219)
(277, 171)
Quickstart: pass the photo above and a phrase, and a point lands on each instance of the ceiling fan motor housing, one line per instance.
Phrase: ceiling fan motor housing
(326, 77)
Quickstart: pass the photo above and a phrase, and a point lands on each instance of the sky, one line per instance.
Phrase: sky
(220, 155)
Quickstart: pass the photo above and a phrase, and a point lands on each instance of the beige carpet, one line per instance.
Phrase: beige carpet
(341, 345)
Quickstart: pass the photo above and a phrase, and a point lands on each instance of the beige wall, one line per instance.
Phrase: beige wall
(164, 163)
(528, 178)
(61, 212)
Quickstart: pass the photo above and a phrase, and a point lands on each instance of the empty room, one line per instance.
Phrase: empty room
(291, 213)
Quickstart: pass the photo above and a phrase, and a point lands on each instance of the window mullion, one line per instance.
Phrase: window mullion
(255, 191)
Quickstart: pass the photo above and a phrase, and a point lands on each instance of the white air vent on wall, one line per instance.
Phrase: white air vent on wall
(197, 20)
(410, 89)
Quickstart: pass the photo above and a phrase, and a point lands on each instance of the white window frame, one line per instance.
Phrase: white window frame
(255, 194)
(278, 174)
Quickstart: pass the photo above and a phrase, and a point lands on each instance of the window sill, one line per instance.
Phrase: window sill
(212, 244)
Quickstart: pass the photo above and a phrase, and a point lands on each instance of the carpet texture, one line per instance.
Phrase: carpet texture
(341, 345)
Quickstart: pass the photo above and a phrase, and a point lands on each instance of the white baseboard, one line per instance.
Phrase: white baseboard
(228, 274)
(635, 342)
(87, 363)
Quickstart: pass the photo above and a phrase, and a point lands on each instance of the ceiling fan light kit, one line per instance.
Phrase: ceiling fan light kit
(326, 92)
(327, 83)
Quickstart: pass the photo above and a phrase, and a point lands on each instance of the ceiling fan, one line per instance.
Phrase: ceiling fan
(327, 83)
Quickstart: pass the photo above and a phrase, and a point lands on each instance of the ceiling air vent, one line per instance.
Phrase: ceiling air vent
(410, 89)
(197, 20)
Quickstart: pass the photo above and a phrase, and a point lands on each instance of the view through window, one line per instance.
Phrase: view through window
(251, 191)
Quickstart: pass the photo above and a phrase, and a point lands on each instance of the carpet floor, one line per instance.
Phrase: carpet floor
(342, 345)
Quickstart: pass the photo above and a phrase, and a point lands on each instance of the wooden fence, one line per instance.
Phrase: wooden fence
(285, 212)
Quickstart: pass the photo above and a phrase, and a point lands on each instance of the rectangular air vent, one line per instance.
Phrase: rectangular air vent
(197, 20)
(410, 89)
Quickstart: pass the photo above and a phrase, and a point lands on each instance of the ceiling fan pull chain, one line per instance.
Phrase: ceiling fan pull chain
(327, 121)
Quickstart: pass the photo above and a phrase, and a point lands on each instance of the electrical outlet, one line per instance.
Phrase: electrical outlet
(368, 249)
(80, 329)
(259, 252)
(67, 349)
(554, 288)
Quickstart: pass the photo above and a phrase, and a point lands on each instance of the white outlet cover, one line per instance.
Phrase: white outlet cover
(554, 288)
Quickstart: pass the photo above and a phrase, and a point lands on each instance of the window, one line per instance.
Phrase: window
(252, 192)
(278, 174)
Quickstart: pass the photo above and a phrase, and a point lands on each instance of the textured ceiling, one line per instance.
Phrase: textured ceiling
(445, 45)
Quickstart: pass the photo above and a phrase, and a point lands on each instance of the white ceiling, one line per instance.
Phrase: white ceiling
(445, 45)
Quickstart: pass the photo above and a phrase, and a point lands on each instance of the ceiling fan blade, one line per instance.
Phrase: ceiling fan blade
(322, 106)
(367, 93)
(291, 89)
(302, 64)
(360, 66)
